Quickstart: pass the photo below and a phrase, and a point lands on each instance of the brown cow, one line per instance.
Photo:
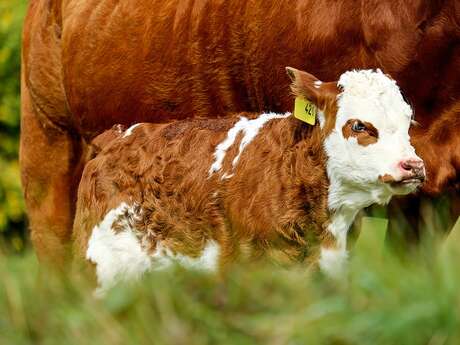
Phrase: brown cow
(206, 192)
(90, 64)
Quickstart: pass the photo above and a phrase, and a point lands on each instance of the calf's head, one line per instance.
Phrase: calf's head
(365, 123)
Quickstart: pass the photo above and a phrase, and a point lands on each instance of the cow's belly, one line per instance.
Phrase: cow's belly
(139, 61)
(158, 60)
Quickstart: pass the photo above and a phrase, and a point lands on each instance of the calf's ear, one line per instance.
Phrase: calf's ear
(309, 87)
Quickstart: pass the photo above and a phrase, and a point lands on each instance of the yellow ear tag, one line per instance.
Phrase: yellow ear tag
(305, 111)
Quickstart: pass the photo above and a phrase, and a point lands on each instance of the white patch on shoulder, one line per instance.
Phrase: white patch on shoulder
(250, 129)
(129, 131)
(221, 149)
(117, 256)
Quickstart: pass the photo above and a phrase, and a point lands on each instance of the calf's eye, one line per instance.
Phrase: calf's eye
(358, 126)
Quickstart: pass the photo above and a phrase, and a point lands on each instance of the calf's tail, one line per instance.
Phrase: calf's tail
(104, 139)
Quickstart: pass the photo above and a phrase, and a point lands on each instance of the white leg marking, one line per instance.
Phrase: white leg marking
(208, 260)
(129, 131)
(250, 129)
(118, 256)
(333, 260)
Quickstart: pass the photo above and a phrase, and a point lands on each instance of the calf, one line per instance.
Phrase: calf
(205, 192)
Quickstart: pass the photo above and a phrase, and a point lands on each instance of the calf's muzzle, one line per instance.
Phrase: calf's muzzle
(412, 169)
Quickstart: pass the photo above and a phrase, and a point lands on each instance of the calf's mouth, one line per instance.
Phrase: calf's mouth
(416, 179)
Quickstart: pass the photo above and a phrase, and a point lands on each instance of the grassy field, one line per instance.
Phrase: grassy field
(383, 301)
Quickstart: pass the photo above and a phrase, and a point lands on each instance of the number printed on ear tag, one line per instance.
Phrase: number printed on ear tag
(305, 111)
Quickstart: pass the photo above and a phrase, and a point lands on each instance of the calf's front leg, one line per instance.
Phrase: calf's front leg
(333, 254)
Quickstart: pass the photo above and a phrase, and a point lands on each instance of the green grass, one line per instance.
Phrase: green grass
(383, 301)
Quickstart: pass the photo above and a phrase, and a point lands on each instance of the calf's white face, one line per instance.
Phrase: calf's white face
(370, 145)
(366, 123)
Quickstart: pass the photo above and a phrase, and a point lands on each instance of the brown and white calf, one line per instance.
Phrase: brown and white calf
(205, 192)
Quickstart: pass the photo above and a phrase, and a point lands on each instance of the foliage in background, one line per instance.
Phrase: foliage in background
(383, 301)
(12, 218)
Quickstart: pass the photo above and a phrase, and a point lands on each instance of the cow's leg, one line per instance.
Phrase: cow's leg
(333, 261)
(50, 170)
(333, 254)
(412, 219)
(438, 216)
(455, 207)
(403, 224)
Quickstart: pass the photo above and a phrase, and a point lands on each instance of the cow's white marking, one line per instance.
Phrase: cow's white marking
(321, 118)
(208, 260)
(117, 256)
(129, 131)
(369, 96)
(333, 262)
(120, 256)
(318, 84)
(119, 129)
(222, 148)
(250, 129)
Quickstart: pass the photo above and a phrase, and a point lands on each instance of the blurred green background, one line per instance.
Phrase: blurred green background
(12, 217)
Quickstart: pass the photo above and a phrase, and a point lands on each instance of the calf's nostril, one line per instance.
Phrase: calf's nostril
(405, 165)
(412, 165)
